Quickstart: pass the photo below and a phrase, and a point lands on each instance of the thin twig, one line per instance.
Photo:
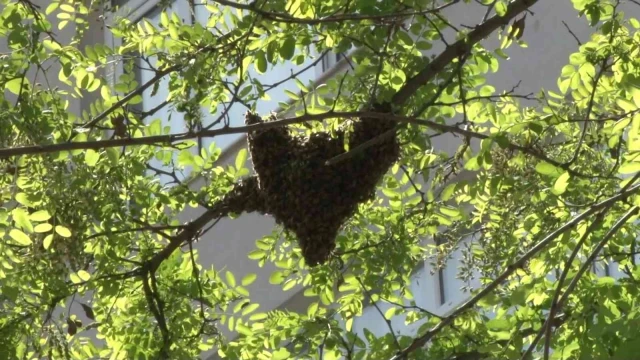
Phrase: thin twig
(420, 341)
(571, 32)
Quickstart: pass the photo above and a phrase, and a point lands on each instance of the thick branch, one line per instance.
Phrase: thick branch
(154, 307)
(459, 48)
(425, 338)
(168, 139)
(174, 138)
(245, 197)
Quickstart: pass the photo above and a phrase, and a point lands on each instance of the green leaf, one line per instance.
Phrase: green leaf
(63, 231)
(14, 85)
(185, 158)
(301, 86)
(256, 254)
(448, 192)
(289, 284)
(277, 277)
(629, 168)
(249, 279)
(288, 48)
(113, 154)
(43, 228)
(231, 280)
(250, 308)
(391, 312)
(243, 329)
(46, 243)
(21, 219)
(68, 8)
(164, 19)
(498, 324)
(281, 354)
(85, 276)
(241, 158)
(405, 38)
(501, 7)
(258, 317)
(545, 168)
(261, 62)
(20, 237)
(51, 7)
(40, 215)
(312, 309)
(291, 94)
(91, 157)
(626, 105)
(561, 183)
(75, 278)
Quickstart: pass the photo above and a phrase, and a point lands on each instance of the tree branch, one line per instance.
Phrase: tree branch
(459, 48)
(425, 338)
(173, 138)
(587, 264)
(244, 197)
(159, 75)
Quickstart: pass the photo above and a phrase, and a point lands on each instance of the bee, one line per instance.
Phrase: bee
(307, 197)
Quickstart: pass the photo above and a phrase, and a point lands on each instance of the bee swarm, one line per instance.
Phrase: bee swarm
(305, 195)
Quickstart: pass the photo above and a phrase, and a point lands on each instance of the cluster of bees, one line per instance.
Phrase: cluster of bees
(303, 193)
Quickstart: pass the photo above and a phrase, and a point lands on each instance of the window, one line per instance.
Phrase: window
(329, 61)
(137, 9)
(441, 284)
(451, 290)
(277, 79)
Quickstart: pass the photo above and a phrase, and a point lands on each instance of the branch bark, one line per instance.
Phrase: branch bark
(457, 49)
(245, 197)
(425, 338)
(174, 138)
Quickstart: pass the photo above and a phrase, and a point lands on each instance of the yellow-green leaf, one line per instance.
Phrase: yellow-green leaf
(47, 241)
(250, 308)
(21, 219)
(261, 62)
(629, 168)
(241, 158)
(63, 231)
(43, 227)
(14, 85)
(23, 199)
(20, 237)
(231, 280)
(561, 183)
(545, 168)
(277, 277)
(91, 157)
(75, 279)
(40, 215)
(249, 279)
(84, 275)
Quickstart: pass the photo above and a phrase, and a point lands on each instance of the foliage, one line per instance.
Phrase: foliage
(545, 185)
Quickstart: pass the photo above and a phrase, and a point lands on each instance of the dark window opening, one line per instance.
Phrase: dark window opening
(441, 291)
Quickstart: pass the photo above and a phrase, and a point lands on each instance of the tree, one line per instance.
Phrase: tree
(550, 183)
